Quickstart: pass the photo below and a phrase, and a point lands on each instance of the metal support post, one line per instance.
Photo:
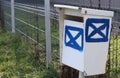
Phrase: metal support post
(61, 28)
(81, 75)
(48, 32)
(12, 16)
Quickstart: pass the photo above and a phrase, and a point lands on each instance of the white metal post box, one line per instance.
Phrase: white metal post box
(84, 38)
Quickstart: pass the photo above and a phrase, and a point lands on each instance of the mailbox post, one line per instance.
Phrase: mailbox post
(84, 38)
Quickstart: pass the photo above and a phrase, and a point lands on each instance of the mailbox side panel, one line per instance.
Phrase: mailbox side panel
(73, 52)
(97, 35)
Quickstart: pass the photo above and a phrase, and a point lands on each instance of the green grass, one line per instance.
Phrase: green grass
(115, 56)
(17, 59)
(24, 57)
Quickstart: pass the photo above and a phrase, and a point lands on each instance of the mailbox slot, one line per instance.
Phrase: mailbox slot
(74, 18)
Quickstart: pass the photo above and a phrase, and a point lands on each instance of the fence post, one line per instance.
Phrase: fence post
(12, 16)
(1, 15)
(47, 32)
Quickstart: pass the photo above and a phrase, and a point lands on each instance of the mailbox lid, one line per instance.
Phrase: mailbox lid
(78, 11)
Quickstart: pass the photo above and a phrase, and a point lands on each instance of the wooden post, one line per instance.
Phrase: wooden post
(99, 3)
(1, 15)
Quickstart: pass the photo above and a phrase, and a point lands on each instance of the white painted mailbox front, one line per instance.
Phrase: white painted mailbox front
(85, 35)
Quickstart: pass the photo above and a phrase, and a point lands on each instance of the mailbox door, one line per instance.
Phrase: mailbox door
(97, 36)
(73, 44)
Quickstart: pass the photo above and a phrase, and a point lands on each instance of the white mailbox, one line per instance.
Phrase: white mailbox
(84, 38)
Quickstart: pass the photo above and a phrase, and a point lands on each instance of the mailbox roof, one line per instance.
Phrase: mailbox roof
(87, 10)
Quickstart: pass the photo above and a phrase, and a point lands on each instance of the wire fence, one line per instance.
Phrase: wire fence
(30, 25)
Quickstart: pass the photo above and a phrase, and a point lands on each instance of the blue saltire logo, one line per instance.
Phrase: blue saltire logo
(97, 30)
(74, 41)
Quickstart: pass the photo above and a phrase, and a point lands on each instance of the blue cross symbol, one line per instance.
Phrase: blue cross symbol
(71, 40)
(97, 30)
